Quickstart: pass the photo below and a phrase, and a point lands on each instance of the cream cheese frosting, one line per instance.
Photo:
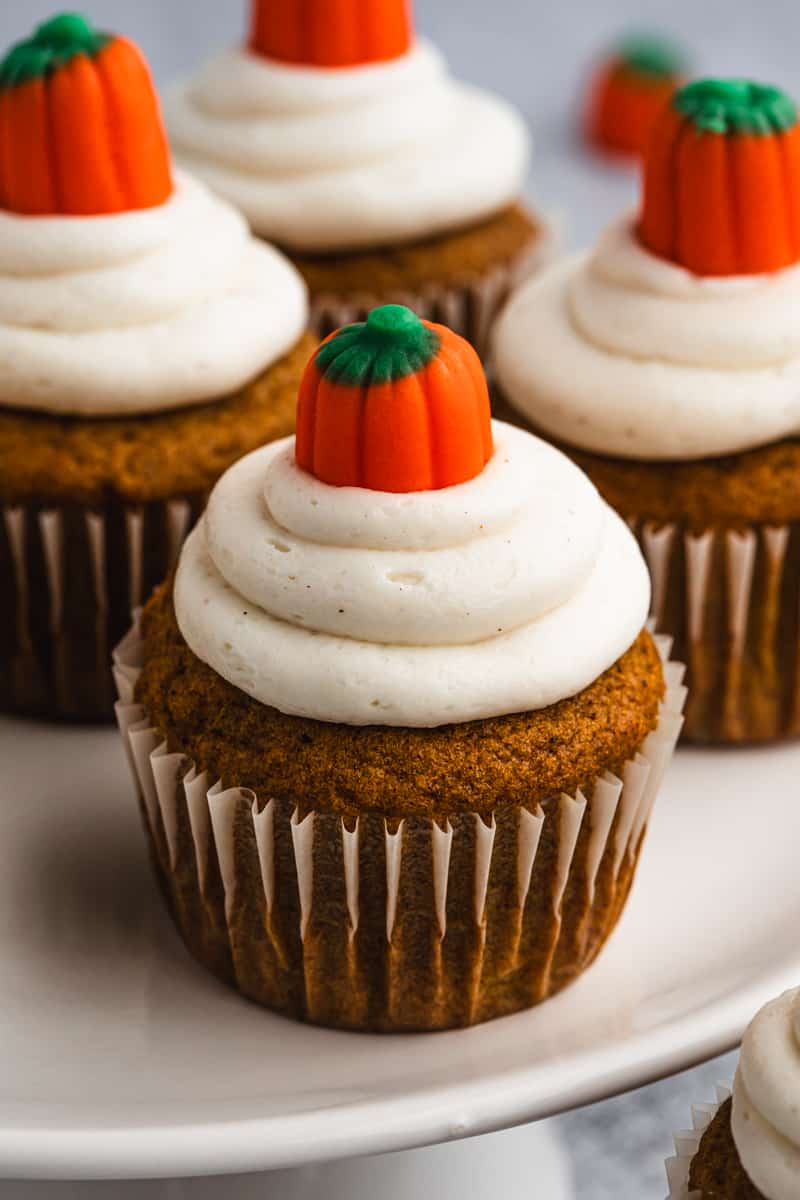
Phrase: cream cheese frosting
(766, 1099)
(499, 595)
(623, 353)
(140, 311)
(322, 159)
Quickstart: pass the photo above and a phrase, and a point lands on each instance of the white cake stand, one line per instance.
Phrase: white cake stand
(122, 1060)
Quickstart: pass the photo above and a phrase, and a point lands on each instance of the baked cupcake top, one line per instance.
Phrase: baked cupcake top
(124, 288)
(677, 336)
(407, 561)
(765, 1119)
(628, 91)
(334, 128)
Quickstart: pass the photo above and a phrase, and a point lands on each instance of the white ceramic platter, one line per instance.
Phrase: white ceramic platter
(120, 1057)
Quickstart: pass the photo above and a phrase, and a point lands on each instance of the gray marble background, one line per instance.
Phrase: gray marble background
(536, 52)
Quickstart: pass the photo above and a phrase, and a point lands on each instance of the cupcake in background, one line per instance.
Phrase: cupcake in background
(341, 137)
(747, 1145)
(668, 360)
(397, 727)
(146, 342)
(627, 93)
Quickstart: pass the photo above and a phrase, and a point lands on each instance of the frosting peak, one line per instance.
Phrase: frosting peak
(766, 1099)
(502, 594)
(623, 353)
(322, 159)
(140, 311)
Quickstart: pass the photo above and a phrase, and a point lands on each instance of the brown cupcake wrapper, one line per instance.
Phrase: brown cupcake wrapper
(469, 307)
(687, 1144)
(373, 923)
(730, 599)
(70, 576)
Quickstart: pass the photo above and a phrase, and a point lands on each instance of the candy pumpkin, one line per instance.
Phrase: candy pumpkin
(628, 93)
(395, 404)
(722, 180)
(330, 33)
(80, 126)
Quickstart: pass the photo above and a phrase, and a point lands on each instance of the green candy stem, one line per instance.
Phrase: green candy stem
(52, 44)
(657, 57)
(736, 106)
(391, 344)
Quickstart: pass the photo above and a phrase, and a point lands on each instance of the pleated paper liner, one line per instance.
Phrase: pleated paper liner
(382, 924)
(70, 577)
(730, 599)
(687, 1143)
(469, 307)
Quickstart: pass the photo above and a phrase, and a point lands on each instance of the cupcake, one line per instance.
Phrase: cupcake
(396, 725)
(342, 138)
(628, 92)
(146, 342)
(668, 360)
(747, 1146)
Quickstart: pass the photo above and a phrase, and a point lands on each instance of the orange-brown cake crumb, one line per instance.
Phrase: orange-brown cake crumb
(59, 460)
(717, 1172)
(444, 259)
(736, 490)
(520, 759)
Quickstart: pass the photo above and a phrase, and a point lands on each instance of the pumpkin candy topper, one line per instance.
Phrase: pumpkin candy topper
(395, 404)
(80, 124)
(330, 33)
(722, 180)
(628, 93)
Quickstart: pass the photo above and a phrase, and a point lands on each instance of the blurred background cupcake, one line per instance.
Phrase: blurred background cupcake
(668, 359)
(146, 341)
(420, 674)
(627, 92)
(342, 137)
(747, 1146)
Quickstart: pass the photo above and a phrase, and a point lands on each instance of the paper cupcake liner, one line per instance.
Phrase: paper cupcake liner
(374, 923)
(469, 307)
(70, 577)
(687, 1143)
(730, 599)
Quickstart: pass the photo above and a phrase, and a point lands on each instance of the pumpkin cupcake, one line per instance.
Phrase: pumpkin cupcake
(146, 342)
(397, 727)
(343, 139)
(747, 1146)
(628, 92)
(668, 359)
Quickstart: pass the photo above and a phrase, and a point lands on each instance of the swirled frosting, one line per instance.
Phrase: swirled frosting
(322, 159)
(499, 595)
(766, 1099)
(140, 311)
(623, 353)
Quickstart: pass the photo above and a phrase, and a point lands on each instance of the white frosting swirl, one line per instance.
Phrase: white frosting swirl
(141, 311)
(321, 159)
(503, 594)
(766, 1099)
(626, 354)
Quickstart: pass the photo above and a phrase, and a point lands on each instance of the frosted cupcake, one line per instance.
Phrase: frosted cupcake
(397, 727)
(668, 359)
(342, 138)
(146, 342)
(747, 1146)
(628, 92)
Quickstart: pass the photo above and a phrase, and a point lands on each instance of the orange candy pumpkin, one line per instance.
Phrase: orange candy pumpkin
(722, 180)
(628, 93)
(330, 33)
(80, 125)
(395, 404)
